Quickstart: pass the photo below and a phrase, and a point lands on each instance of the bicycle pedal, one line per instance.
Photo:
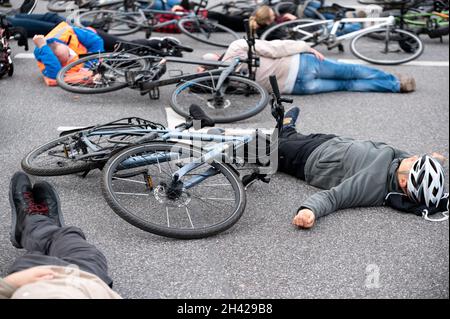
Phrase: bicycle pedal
(154, 94)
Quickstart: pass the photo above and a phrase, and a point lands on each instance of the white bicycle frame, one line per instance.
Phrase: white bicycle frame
(379, 23)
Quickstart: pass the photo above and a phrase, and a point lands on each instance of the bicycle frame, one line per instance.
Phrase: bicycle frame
(380, 22)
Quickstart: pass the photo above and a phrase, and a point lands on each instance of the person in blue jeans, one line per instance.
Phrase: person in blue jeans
(302, 70)
(36, 23)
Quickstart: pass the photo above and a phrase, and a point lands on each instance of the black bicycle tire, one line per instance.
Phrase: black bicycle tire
(137, 27)
(28, 167)
(360, 56)
(257, 109)
(70, 88)
(193, 36)
(155, 229)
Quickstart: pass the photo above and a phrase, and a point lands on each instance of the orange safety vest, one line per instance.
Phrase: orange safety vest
(65, 33)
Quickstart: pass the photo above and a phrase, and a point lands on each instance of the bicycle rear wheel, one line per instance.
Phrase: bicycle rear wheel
(55, 158)
(113, 22)
(387, 46)
(208, 32)
(241, 98)
(99, 73)
(137, 184)
(299, 30)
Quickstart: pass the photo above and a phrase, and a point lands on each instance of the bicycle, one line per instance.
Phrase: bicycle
(6, 34)
(421, 17)
(194, 24)
(224, 93)
(381, 42)
(67, 5)
(186, 182)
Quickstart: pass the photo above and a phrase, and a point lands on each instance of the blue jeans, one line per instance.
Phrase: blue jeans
(158, 5)
(36, 23)
(317, 76)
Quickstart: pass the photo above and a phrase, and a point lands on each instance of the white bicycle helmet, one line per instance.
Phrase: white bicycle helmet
(426, 181)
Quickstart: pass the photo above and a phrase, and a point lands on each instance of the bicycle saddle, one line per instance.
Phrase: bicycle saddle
(198, 114)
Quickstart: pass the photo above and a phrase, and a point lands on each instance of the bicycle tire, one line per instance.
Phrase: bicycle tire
(113, 201)
(61, 77)
(280, 29)
(128, 28)
(401, 39)
(202, 84)
(185, 24)
(29, 167)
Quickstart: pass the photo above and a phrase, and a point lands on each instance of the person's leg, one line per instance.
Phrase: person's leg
(36, 24)
(327, 76)
(110, 42)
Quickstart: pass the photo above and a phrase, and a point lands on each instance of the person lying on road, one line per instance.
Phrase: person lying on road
(356, 173)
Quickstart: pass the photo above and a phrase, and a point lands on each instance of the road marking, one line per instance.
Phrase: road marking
(173, 118)
(68, 128)
(412, 63)
(24, 56)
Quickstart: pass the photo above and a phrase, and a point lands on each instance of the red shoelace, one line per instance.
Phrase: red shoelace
(33, 207)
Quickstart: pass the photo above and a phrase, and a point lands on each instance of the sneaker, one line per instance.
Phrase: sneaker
(22, 204)
(28, 6)
(291, 116)
(45, 194)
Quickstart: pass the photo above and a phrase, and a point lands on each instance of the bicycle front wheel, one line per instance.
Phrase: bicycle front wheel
(208, 32)
(99, 73)
(138, 185)
(387, 46)
(238, 99)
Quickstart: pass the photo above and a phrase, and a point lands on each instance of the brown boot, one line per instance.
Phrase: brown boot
(407, 83)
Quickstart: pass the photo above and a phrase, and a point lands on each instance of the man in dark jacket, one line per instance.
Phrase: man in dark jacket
(359, 174)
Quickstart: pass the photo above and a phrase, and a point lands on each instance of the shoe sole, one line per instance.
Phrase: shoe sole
(12, 232)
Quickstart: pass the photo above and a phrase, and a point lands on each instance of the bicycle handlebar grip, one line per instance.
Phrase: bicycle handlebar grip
(275, 88)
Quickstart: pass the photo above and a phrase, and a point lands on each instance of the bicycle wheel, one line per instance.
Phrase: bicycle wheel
(113, 22)
(56, 158)
(137, 184)
(241, 98)
(299, 30)
(387, 46)
(208, 32)
(61, 5)
(99, 73)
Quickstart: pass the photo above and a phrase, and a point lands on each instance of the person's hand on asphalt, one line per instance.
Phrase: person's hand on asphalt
(29, 276)
(304, 219)
(317, 54)
(39, 40)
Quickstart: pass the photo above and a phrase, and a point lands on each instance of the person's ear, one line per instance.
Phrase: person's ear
(403, 180)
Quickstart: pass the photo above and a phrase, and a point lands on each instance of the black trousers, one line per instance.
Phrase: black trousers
(295, 148)
(235, 23)
(50, 245)
(110, 41)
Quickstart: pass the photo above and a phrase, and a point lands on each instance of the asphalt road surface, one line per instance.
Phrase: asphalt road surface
(263, 255)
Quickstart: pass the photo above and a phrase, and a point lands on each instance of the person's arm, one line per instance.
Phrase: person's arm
(45, 55)
(91, 40)
(359, 190)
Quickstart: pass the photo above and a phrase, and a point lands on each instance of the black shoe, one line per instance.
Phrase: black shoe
(22, 204)
(5, 4)
(45, 194)
(290, 118)
(28, 6)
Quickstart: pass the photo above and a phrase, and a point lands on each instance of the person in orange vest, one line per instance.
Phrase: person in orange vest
(65, 43)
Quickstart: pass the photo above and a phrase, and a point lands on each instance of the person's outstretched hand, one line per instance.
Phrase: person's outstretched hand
(305, 219)
(29, 276)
